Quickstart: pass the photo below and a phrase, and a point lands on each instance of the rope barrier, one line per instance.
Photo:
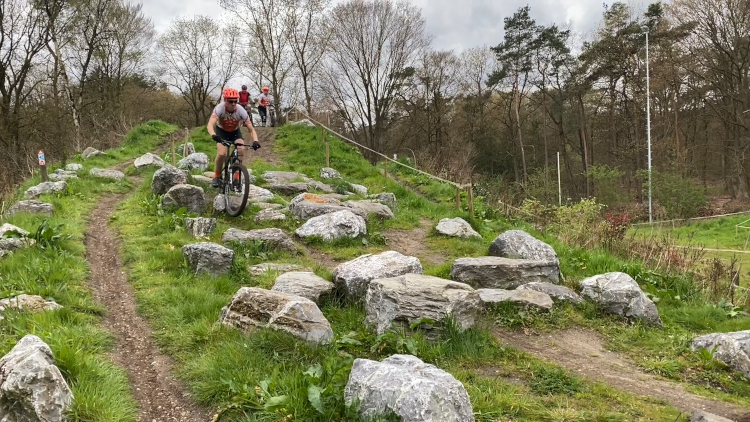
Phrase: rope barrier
(304, 113)
(694, 218)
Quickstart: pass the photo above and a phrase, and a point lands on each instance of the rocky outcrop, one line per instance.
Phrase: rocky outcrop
(409, 298)
(209, 258)
(200, 227)
(45, 188)
(492, 272)
(194, 161)
(456, 227)
(333, 226)
(252, 307)
(619, 294)
(518, 244)
(731, 348)
(385, 198)
(269, 215)
(409, 388)
(165, 178)
(148, 159)
(305, 284)
(73, 167)
(185, 196)
(31, 207)
(353, 277)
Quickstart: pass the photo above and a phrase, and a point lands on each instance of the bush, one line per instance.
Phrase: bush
(681, 197)
(607, 187)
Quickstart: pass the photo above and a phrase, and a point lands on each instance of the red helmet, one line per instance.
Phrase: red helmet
(265, 89)
(230, 94)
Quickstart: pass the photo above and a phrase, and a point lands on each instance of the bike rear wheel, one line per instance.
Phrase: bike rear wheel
(236, 190)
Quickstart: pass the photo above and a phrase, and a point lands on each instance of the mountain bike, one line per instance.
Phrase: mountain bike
(235, 183)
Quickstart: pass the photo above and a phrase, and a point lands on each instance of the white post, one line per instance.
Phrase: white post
(648, 125)
(559, 186)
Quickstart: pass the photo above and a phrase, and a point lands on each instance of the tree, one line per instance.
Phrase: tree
(371, 43)
(196, 56)
(308, 40)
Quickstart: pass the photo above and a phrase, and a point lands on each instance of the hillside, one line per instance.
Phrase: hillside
(138, 335)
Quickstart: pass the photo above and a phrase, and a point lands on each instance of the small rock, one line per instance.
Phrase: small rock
(210, 258)
(62, 175)
(456, 227)
(200, 227)
(74, 167)
(259, 195)
(359, 189)
(502, 273)
(268, 206)
(31, 207)
(556, 292)
(194, 161)
(308, 205)
(353, 277)
(261, 269)
(28, 303)
(526, 298)
(409, 388)
(386, 198)
(619, 294)
(148, 159)
(305, 284)
(5, 228)
(333, 226)
(185, 196)
(269, 215)
(274, 238)
(45, 188)
(91, 152)
(32, 388)
(252, 307)
(329, 173)
(107, 174)
(165, 178)
(518, 244)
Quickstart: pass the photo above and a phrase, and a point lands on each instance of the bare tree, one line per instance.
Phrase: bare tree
(372, 42)
(307, 39)
(196, 55)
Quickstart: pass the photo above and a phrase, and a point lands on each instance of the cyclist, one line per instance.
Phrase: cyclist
(263, 103)
(245, 102)
(224, 125)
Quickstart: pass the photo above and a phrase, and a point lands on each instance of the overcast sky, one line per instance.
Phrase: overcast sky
(473, 23)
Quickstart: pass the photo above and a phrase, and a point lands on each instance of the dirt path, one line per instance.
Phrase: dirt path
(414, 243)
(267, 140)
(161, 398)
(581, 352)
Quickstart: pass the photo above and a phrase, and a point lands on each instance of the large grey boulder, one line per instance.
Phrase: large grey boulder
(107, 174)
(492, 272)
(305, 284)
(518, 244)
(165, 178)
(329, 173)
(404, 385)
(194, 161)
(272, 267)
(31, 207)
(200, 227)
(703, 416)
(32, 388)
(353, 277)
(28, 303)
(456, 227)
(274, 238)
(209, 258)
(619, 294)
(252, 307)
(408, 298)
(525, 298)
(148, 159)
(45, 188)
(370, 208)
(308, 205)
(74, 167)
(731, 348)
(386, 198)
(333, 226)
(185, 196)
(91, 152)
(555, 291)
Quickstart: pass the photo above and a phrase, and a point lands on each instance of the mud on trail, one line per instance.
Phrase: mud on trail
(581, 352)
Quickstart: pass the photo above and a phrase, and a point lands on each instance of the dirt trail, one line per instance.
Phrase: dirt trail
(581, 352)
(267, 140)
(414, 243)
(161, 398)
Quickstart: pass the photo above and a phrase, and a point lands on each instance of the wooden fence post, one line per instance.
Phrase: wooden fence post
(471, 198)
(171, 143)
(42, 165)
(328, 155)
(184, 146)
(458, 198)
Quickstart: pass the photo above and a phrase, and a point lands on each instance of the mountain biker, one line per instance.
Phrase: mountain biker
(245, 102)
(224, 124)
(263, 103)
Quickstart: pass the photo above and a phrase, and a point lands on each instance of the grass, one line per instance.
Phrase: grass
(57, 270)
(269, 376)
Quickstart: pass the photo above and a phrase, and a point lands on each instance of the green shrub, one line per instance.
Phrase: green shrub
(681, 197)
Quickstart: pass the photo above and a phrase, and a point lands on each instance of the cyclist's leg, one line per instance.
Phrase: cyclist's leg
(221, 153)
(239, 142)
(262, 112)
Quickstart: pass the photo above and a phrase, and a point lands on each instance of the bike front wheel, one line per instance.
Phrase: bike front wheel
(236, 190)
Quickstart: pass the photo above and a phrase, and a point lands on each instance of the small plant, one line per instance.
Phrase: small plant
(47, 237)
(708, 360)
(552, 380)
(258, 398)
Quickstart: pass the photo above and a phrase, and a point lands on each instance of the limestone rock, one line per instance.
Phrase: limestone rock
(619, 294)
(370, 208)
(333, 226)
(252, 307)
(408, 298)
(32, 388)
(411, 389)
(31, 207)
(73, 167)
(45, 188)
(329, 173)
(358, 189)
(91, 152)
(702, 416)
(165, 178)
(308, 205)
(148, 159)
(28, 303)
(385, 198)
(303, 122)
(353, 277)
(526, 298)
(185, 196)
(200, 227)
(258, 194)
(261, 269)
(61, 174)
(107, 174)
(185, 152)
(288, 188)
(305, 284)
(494, 272)
(274, 238)
(456, 227)
(555, 291)
(210, 258)
(194, 161)
(731, 348)
(518, 244)
(269, 215)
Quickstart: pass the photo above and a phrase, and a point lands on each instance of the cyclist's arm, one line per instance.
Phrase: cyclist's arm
(212, 124)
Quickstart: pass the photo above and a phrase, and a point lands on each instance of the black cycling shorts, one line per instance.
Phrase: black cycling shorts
(228, 136)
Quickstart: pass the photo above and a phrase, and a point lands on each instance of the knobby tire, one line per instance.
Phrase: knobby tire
(228, 203)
